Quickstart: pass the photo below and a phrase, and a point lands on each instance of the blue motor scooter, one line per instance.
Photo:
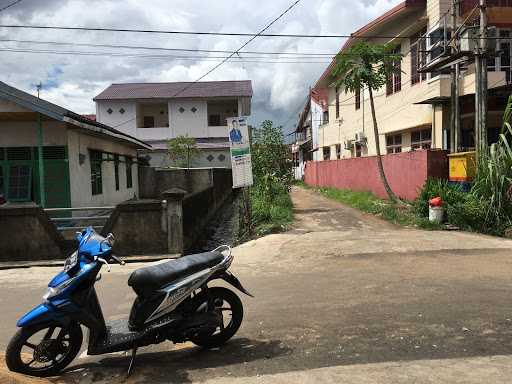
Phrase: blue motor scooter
(174, 302)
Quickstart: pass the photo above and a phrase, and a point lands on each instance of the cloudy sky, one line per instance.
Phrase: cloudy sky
(73, 80)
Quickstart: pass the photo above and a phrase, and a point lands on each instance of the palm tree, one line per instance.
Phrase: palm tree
(368, 66)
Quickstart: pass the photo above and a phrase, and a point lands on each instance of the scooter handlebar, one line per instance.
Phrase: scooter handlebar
(117, 260)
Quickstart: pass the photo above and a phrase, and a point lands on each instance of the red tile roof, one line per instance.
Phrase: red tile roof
(90, 117)
(177, 90)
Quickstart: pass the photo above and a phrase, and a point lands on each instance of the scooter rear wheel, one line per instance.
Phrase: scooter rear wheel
(229, 306)
(31, 354)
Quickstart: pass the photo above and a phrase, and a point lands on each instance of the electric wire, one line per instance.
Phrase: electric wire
(99, 29)
(10, 5)
(236, 51)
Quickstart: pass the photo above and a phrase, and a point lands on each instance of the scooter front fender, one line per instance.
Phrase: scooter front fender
(43, 313)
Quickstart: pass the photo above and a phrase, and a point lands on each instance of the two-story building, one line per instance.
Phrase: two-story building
(306, 132)
(157, 112)
(413, 110)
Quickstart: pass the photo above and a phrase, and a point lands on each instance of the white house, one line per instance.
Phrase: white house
(306, 132)
(157, 112)
(85, 163)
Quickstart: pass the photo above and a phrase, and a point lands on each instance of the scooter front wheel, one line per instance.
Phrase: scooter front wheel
(43, 349)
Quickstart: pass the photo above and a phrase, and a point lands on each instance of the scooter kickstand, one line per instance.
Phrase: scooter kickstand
(134, 352)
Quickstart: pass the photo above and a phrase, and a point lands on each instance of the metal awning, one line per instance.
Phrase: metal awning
(445, 62)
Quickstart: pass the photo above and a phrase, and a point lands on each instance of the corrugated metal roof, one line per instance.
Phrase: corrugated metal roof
(241, 88)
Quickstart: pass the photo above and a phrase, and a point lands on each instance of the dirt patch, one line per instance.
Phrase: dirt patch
(8, 377)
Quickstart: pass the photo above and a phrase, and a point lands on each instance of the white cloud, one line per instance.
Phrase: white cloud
(75, 80)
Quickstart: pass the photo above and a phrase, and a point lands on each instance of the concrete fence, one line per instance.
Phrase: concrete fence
(406, 172)
(166, 221)
(26, 233)
(154, 181)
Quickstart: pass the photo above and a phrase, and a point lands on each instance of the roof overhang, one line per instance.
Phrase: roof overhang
(434, 100)
(61, 114)
(98, 129)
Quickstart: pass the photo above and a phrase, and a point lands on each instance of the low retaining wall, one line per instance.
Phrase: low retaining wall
(139, 227)
(154, 181)
(26, 234)
(406, 172)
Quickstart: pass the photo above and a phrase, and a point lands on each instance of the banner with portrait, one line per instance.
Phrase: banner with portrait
(239, 143)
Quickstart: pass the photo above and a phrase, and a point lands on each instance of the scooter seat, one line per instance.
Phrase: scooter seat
(145, 281)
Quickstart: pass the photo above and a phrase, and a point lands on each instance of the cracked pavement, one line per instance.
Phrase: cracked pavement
(341, 297)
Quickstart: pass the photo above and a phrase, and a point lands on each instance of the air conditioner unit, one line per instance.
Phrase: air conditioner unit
(360, 137)
(349, 144)
(469, 39)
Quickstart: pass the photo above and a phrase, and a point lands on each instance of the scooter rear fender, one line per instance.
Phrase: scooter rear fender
(228, 277)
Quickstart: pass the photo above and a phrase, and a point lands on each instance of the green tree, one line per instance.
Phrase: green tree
(272, 166)
(182, 150)
(368, 66)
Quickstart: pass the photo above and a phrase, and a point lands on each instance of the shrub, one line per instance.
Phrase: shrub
(272, 208)
(492, 187)
(451, 194)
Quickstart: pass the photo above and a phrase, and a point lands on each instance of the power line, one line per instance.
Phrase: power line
(254, 59)
(154, 31)
(242, 47)
(61, 43)
(233, 34)
(230, 56)
(10, 5)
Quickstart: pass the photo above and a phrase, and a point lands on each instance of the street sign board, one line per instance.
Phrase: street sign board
(241, 164)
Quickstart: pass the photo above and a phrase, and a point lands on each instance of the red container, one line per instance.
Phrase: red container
(435, 202)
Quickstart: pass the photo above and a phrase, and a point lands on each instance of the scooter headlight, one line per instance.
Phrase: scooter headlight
(50, 292)
(54, 291)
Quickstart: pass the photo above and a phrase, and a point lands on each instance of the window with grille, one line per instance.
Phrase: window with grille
(2, 183)
(358, 98)
(116, 171)
(421, 139)
(327, 153)
(54, 153)
(393, 143)
(325, 117)
(214, 120)
(129, 180)
(96, 175)
(358, 150)
(418, 57)
(502, 62)
(394, 81)
(20, 182)
(19, 153)
(149, 122)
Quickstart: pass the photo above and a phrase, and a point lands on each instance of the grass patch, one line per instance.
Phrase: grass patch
(271, 215)
(367, 202)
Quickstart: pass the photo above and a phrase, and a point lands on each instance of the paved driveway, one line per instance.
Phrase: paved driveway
(340, 297)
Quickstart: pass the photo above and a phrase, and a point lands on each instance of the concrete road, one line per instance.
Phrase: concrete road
(341, 297)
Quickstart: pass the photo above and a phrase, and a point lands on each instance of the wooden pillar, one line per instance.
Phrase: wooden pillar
(174, 198)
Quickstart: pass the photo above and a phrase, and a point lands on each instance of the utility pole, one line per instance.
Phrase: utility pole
(481, 82)
(40, 145)
(455, 73)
